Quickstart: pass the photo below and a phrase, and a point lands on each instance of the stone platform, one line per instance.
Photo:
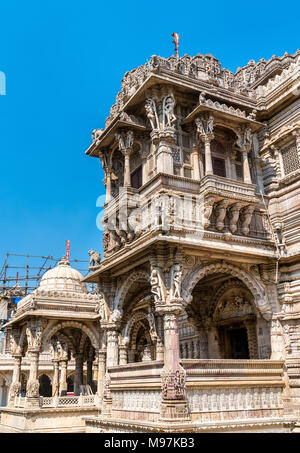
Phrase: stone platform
(46, 420)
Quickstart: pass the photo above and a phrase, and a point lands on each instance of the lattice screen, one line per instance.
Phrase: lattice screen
(290, 158)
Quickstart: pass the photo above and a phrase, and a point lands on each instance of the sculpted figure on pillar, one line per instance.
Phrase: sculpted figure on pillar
(244, 139)
(176, 277)
(168, 111)
(151, 113)
(205, 124)
(34, 332)
(125, 139)
(157, 287)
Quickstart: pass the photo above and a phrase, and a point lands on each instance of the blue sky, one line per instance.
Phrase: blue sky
(64, 61)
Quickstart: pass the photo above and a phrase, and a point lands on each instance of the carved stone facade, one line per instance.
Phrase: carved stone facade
(195, 323)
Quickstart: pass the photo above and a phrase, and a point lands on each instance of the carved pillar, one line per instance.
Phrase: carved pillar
(160, 337)
(101, 372)
(259, 175)
(164, 156)
(174, 405)
(127, 181)
(252, 339)
(213, 343)
(112, 357)
(15, 388)
(63, 376)
(208, 159)
(108, 187)
(125, 139)
(246, 168)
(233, 167)
(33, 385)
(78, 372)
(89, 371)
(123, 354)
(55, 380)
(196, 163)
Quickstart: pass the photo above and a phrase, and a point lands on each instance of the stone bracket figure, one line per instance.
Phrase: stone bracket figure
(176, 278)
(157, 285)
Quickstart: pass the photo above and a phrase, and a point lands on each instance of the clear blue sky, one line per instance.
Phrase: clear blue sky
(64, 61)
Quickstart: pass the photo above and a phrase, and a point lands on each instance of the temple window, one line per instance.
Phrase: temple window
(290, 158)
(182, 155)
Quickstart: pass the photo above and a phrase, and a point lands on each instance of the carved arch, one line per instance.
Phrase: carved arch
(138, 316)
(122, 291)
(75, 324)
(256, 288)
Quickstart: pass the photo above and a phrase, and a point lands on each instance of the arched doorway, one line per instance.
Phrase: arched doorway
(45, 385)
(229, 324)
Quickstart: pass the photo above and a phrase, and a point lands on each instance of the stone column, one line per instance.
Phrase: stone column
(78, 373)
(213, 343)
(233, 167)
(89, 372)
(196, 163)
(55, 380)
(123, 354)
(246, 168)
(63, 376)
(126, 139)
(174, 405)
(101, 372)
(108, 187)
(112, 357)
(15, 388)
(33, 385)
(252, 339)
(208, 159)
(127, 181)
(164, 159)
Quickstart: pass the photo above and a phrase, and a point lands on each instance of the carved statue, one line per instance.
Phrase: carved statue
(205, 123)
(151, 320)
(116, 315)
(125, 139)
(95, 259)
(96, 133)
(168, 111)
(103, 310)
(156, 285)
(176, 277)
(151, 113)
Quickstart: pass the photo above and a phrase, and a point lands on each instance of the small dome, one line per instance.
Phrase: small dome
(63, 278)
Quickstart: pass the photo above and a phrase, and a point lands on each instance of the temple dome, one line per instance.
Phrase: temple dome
(63, 277)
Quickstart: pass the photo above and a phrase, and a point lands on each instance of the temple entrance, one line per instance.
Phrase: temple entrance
(225, 321)
(238, 343)
(45, 385)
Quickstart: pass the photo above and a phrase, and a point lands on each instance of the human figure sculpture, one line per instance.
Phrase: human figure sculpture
(155, 283)
(176, 281)
(168, 110)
